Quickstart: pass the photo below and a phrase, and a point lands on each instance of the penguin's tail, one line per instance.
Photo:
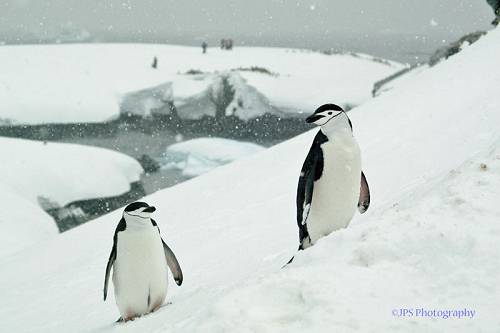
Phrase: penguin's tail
(291, 259)
(289, 262)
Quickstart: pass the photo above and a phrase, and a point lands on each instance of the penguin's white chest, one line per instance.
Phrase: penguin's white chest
(336, 193)
(140, 271)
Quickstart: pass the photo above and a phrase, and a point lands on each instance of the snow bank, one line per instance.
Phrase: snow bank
(22, 222)
(228, 89)
(198, 156)
(65, 172)
(35, 171)
(147, 101)
(93, 78)
(429, 239)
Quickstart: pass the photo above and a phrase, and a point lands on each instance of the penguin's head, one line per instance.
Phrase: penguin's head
(324, 114)
(139, 210)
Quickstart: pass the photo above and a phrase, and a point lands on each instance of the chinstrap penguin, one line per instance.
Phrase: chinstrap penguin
(139, 258)
(331, 183)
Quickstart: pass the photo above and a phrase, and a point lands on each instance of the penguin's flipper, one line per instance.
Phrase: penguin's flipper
(112, 256)
(173, 264)
(312, 169)
(364, 195)
(111, 261)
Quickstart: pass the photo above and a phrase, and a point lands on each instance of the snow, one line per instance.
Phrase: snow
(407, 75)
(61, 173)
(429, 239)
(199, 156)
(428, 253)
(22, 222)
(92, 79)
(247, 102)
(85, 172)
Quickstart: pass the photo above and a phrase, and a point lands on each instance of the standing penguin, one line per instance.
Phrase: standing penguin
(331, 183)
(139, 258)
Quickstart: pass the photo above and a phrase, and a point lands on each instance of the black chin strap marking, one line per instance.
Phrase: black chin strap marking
(338, 114)
(137, 216)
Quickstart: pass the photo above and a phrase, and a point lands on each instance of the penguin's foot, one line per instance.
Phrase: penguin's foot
(156, 307)
(129, 317)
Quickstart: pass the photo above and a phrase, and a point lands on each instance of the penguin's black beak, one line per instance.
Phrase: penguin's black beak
(313, 118)
(150, 209)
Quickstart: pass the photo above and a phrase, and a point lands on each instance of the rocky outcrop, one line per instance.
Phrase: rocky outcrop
(455, 47)
(222, 94)
(78, 212)
(440, 55)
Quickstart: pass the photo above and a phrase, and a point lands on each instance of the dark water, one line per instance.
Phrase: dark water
(136, 144)
(405, 48)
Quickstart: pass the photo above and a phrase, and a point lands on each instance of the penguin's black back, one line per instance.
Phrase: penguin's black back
(311, 171)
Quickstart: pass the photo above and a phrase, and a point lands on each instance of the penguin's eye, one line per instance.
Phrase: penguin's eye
(330, 113)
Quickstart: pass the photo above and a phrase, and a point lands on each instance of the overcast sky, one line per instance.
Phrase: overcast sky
(315, 23)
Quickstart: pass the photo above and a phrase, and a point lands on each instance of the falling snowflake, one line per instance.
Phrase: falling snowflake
(433, 23)
(312, 7)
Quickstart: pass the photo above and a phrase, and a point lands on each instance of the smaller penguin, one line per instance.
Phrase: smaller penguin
(139, 258)
(331, 183)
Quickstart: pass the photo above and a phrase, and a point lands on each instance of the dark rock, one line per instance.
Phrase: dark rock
(194, 72)
(455, 47)
(256, 69)
(441, 54)
(79, 212)
(149, 164)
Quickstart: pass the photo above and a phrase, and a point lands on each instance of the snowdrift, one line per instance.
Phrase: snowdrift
(198, 156)
(428, 241)
(36, 172)
(93, 79)
(243, 100)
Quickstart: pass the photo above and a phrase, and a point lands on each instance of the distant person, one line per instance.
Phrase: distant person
(204, 46)
(226, 44)
(155, 63)
(495, 4)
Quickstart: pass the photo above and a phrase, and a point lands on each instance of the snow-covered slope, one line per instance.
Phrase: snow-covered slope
(85, 83)
(397, 79)
(436, 250)
(428, 241)
(22, 222)
(34, 171)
